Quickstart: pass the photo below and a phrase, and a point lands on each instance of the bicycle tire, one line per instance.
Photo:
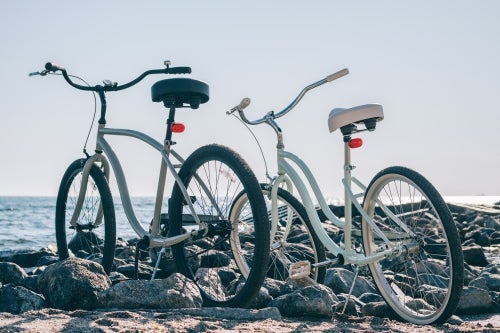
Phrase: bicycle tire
(422, 285)
(91, 239)
(227, 263)
(301, 241)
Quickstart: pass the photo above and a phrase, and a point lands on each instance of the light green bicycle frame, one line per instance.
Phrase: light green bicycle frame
(288, 175)
(166, 164)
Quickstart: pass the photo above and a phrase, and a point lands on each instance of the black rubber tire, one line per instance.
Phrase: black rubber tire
(227, 264)
(423, 285)
(302, 243)
(91, 241)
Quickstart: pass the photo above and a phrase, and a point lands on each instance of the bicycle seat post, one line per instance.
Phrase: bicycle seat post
(347, 198)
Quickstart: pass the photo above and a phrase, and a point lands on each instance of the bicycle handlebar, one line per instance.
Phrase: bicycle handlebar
(273, 115)
(52, 67)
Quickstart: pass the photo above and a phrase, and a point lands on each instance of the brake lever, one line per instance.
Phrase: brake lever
(42, 73)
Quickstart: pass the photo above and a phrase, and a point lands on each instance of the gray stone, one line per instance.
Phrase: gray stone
(17, 299)
(233, 313)
(11, 273)
(342, 308)
(370, 297)
(474, 300)
(314, 301)
(277, 288)
(174, 292)
(73, 284)
(30, 282)
(474, 255)
(377, 309)
(492, 281)
(261, 300)
(479, 282)
(340, 281)
(29, 258)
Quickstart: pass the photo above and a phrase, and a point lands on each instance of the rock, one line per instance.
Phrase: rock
(378, 309)
(370, 297)
(29, 258)
(11, 273)
(314, 301)
(342, 308)
(474, 300)
(174, 292)
(492, 281)
(17, 299)
(261, 300)
(73, 284)
(234, 313)
(277, 288)
(474, 255)
(340, 281)
(479, 283)
(31, 283)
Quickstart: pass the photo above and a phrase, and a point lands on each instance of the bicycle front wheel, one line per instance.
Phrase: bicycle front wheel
(422, 283)
(294, 240)
(94, 234)
(229, 262)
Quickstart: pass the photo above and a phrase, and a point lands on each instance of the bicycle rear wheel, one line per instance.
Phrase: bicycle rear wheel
(299, 243)
(228, 263)
(423, 284)
(94, 235)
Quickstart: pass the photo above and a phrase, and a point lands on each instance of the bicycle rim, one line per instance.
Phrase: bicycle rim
(423, 283)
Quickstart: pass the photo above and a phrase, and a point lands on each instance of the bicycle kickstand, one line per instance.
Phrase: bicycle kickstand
(356, 272)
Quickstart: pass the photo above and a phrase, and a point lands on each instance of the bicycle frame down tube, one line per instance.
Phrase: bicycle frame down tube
(306, 198)
(120, 177)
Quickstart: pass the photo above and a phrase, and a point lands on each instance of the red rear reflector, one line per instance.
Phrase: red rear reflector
(355, 143)
(178, 127)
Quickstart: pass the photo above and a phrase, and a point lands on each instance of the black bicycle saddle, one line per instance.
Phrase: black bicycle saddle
(180, 92)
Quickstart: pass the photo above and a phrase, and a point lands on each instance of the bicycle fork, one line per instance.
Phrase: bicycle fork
(89, 163)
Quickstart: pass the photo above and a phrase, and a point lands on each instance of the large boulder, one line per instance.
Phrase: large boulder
(174, 292)
(73, 284)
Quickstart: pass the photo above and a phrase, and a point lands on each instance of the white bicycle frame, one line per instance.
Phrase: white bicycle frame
(288, 175)
(165, 150)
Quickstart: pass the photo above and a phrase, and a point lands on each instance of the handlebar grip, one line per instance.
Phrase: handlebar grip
(52, 67)
(244, 103)
(179, 70)
(337, 75)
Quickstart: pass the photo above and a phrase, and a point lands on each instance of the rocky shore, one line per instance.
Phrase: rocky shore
(38, 293)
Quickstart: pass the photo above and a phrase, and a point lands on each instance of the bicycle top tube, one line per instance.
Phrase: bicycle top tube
(108, 85)
(272, 115)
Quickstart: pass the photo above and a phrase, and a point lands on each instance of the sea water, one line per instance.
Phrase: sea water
(28, 222)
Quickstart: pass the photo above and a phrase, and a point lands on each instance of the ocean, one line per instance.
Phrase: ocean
(27, 223)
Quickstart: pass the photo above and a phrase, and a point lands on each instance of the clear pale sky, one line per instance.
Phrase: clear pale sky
(433, 65)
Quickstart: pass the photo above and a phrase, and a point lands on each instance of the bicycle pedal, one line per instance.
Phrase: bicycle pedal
(299, 269)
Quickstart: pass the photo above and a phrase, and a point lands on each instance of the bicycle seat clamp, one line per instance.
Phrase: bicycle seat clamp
(180, 92)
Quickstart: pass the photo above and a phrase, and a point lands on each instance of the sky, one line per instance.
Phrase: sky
(433, 65)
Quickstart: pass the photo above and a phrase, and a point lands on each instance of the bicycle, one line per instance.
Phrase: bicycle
(209, 248)
(398, 226)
